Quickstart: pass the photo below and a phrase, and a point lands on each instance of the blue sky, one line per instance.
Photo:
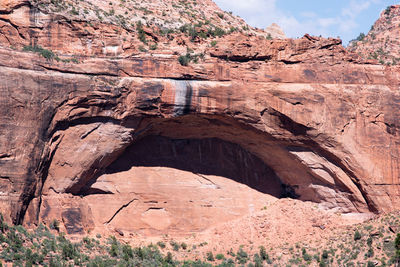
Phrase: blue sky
(343, 18)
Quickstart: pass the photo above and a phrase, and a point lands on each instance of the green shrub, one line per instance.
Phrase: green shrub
(3, 224)
(99, 262)
(193, 33)
(387, 10)
(233, 29)
(161, 244)
(397, 247)
(74, 60)
(369, 241)
(210, 256)
(69, 250)
(141, 32)
(360, 37)
(74, 11)
(55, 225)
(169, 259)
(216, 32)
(153, 47)
(357, 236)
(47, 54)
(263, 254)
(175, 245)
(306, 256)
(220, 256)
(258, 262)
(184, 246)
(88, 242)
(325, 254)
(114, 248)
(242, 256)
(370, 253)
(184, 60)
(127, 252)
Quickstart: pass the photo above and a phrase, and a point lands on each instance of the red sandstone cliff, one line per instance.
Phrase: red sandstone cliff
(94, 127)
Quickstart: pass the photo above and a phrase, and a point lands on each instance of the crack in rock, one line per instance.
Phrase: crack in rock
(83, 136)
(209, 180)
(121, 208)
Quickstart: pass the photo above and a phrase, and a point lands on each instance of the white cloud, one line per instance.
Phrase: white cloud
(308, 14)
(326, 22)
(247, 5)
(355, 8)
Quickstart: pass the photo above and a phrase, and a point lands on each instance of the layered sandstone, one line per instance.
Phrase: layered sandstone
(133, 140)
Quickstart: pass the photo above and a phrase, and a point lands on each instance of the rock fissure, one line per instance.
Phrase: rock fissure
(90, 131)
(5, 155)
(43, 168)
(119, 210)
(208, 180)
(14, 26)
(242, 59)
(72, 71)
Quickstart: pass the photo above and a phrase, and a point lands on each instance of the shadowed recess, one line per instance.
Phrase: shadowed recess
(210, 156)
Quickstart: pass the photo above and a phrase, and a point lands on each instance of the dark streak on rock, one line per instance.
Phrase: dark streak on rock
(121, 208)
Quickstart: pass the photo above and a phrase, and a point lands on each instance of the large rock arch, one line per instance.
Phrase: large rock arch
(97, 144)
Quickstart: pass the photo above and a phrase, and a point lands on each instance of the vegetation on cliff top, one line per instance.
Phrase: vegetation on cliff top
(152, 21)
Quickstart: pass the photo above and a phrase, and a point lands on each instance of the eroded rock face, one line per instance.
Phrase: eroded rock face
(275, 31)
(143, 144)
(381, 43)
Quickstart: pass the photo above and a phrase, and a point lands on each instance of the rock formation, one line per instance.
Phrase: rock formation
(382, 41)
(100, 128)
(275, 31)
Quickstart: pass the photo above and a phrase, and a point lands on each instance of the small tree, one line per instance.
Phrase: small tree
(397, 246)
(141, 32)
(3, 225)
(55, 225)
(184, 245)
(387, 10)
(263, 253)
(360, 37)
(242, 256)
(210, 256)
(184, 60)
(357, 236)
